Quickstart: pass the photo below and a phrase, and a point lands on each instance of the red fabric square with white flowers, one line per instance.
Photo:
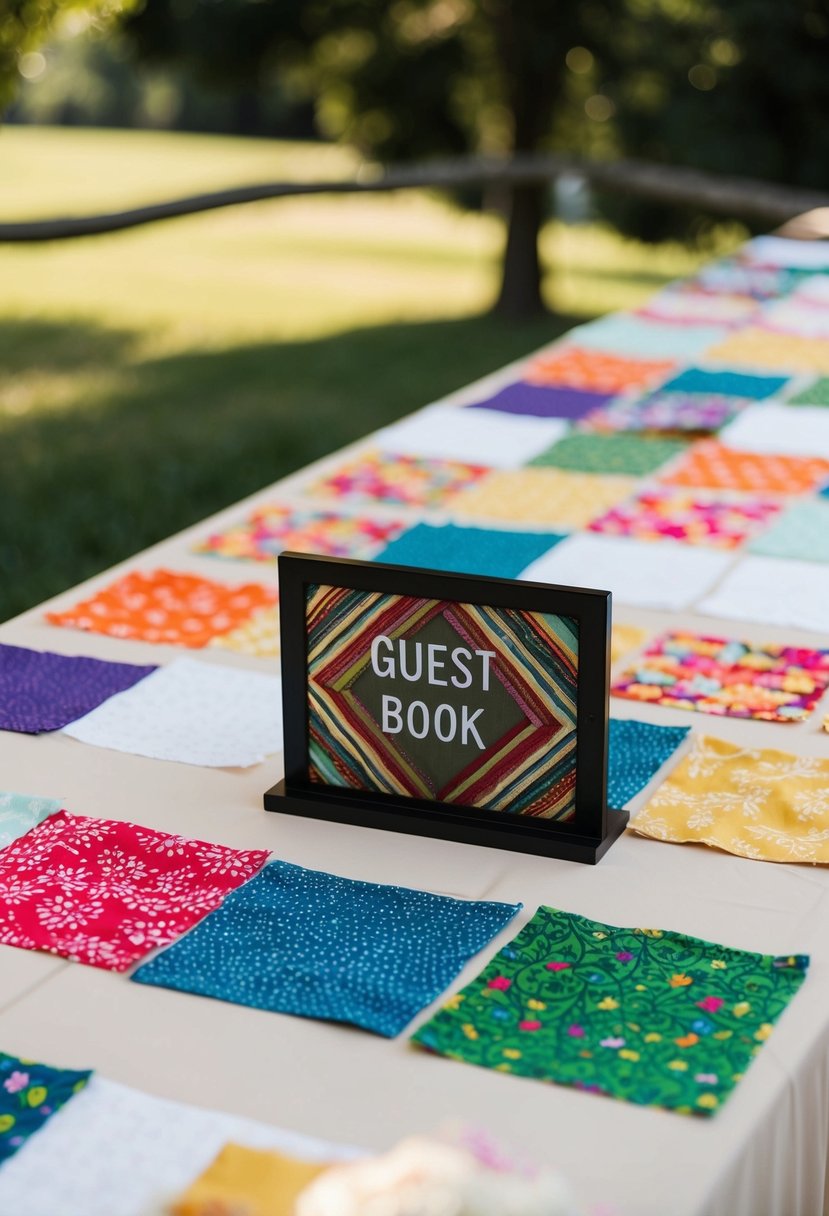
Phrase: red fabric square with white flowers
(106, 893)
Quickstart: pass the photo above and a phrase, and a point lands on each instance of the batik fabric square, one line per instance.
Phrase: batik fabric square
(693, 518)
(19, 813)
(596, 371)
(272, 528)
(756, 802)
(711, 464)
(304, 942)
(30, 1093)
(636, 752)
(413, 481)
(628, 455)
(106, 893)
(728, 678)
(163, 606)
(543, 497)
(801, 532)
(490, 551)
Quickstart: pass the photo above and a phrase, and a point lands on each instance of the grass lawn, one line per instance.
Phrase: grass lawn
(151, 377)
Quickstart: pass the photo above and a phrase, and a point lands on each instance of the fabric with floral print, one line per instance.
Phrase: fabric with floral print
(693, 518)
(29, 1094)
(712, 464)
(728, 678)
(596, 371)
(413, 481)
(646, 1015)
(106, 893)
(272, 528)
(692, 413)
(756, 802)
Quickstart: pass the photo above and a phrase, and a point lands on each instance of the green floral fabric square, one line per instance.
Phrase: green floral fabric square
(646, 1015)
(29, 1094)
(631, 454)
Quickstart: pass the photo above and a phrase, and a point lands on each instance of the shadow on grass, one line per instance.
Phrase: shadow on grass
(185, 435)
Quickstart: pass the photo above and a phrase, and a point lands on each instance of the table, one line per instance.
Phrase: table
(764, 1154)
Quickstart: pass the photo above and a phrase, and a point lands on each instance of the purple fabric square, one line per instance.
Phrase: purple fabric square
(543, 401)
(42, 691)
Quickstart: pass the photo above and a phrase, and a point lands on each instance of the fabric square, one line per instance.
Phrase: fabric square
(625, 334)
(817, 393)
(626, 454)
(778, 430)
(774, 591)
(624, 638)
(761, 348)
(549, 401)
(787, 252)
(646, 1015)
(469, 550)
(259, 636)
(646, 573)
(711, 464)
(542, 497)
(596, 371)
(755, 802)
(42, 691)
(308, 943)
(664, 411)
(693, 518)
(106, 893)
(683, 305)
(252, 1181)
(162, 606)
(725, 383)
(728, 678)
(802, 531)
(192, 712)
(30, 1093)
(794, 316)
(813, 289)
(735, 274)
(113, 1149)
(636, 751)
(409, 480)
(272, 528)
(19, 813)
(491, 438)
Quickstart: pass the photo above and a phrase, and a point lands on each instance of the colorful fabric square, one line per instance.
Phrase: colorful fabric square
(106, 893)
(817, 393)
(272, 528)
(762, 348)
(30, 1093)
(755, 802)
(259, 636)
(469, 550)
(712, 464)
(596, 371)
(682, 306)
(628, 455)
(626, 334)
(251, 1181)
(311, 944)
(776, 591)
(494, 439)
(408, 480)
(780, 431)
(646, 573)
(664, 411)
(731, 275)
(162, 606)
(520, 758)
(645, 1015)
(636, 752)
(802, 531)
(42, 691)
(543, 401)
(542, 497)
(728, 678)
(624, 638)
(692, 518)
(724, 383)
(19, 813)
(192, 713)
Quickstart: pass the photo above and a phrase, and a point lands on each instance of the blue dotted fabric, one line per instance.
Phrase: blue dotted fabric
(469, 550)
(636, 751)
(308, 943)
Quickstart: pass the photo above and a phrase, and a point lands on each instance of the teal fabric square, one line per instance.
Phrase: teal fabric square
(624, 453)
(30, 1094)
(469, 550)
(308, 943)
(725, 383)
(802, 531)
(19, 813)
(640, 338)
(636, 750)
(816, 394)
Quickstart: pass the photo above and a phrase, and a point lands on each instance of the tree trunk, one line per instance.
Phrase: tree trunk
(520, 294)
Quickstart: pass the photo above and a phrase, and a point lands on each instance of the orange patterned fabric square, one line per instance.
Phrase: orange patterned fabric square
(162, 606)
(712, 464)
(595, 371)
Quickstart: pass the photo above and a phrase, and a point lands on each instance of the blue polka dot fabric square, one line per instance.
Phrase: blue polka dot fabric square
(637, 750)
(308, 943)
(501, 554)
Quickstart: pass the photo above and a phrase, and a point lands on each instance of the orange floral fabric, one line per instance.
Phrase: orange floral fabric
(712, 464)
(595, 371)
(162, 606)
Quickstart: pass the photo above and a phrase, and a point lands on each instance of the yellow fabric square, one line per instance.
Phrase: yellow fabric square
(247, 1182)
(759, 803)
(543, 496)
(259, 636)
(764, 348)
(624, 638)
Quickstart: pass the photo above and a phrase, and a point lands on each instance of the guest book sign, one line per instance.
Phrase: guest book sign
(448, 705)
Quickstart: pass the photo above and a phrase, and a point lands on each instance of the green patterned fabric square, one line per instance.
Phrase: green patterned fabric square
(816, 394)
(801, 532)
(623, 453)
(646, 1015)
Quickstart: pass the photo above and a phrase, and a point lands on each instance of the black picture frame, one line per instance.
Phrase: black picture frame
(594, 826)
